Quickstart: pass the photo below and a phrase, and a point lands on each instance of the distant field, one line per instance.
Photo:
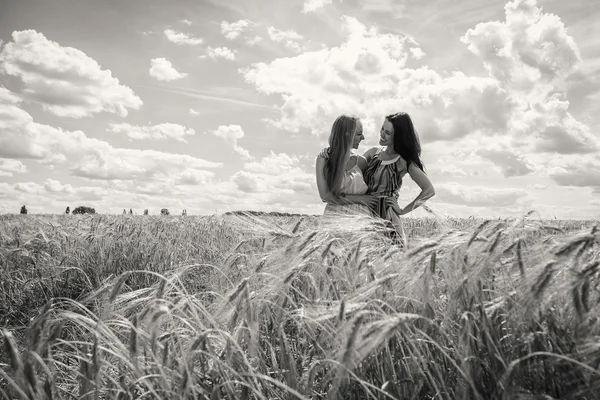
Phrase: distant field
(265, 307)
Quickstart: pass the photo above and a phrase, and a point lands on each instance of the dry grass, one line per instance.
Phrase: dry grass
(261, 308)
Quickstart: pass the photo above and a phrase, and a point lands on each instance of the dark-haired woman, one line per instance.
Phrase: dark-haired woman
(399, 154)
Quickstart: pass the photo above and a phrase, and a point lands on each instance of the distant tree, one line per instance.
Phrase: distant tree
(68, 210)
(164, 211)
(84, 210)
(130, 211)
(23, 210)
(184, 212)
(124, 212)
(146, 211)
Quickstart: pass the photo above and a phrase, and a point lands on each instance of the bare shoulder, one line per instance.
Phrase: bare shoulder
(361, 161)
(370, 153)
(402, 164)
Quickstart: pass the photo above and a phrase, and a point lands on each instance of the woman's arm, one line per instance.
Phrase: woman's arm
(427, 190)
(369, 154)
(328, 197)
(361, 161)
(324, 193)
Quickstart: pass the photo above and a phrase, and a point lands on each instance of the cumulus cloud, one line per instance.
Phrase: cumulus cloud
(254, 40)
(191, 176)
(314, 5)
(528, 57)
(9, 167)
(22, 138)
(163, 70)
(289, 38)
(54, 186)
(186, 21)
(64, 80)
(182, 38)
(452, 171)
(367, 75)
(477, 196)
(529, 52)
(275, 178)
(160, 131)
(417, 53)
(231, 134)
(579, 172)
(231, 30)
(221, 52)
(510, 163)
(531, 55)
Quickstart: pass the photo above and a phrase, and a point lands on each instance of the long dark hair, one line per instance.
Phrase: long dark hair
(340, 143)
(406, 140)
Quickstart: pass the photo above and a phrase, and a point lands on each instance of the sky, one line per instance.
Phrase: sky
(213, 106)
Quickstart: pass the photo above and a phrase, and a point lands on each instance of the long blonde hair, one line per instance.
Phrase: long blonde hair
(340, 143)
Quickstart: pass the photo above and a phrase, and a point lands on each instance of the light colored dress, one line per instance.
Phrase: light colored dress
(352, 183)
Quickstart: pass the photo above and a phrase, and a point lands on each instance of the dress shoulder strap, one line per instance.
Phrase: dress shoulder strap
(354, 160)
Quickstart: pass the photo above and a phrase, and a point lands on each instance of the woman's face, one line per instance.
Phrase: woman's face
(386, 134)
(358, 135)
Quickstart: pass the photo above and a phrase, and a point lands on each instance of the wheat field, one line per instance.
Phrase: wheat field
(262, 307)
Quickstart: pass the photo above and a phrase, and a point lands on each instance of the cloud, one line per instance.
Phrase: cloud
(452, 171)
(156, 132)
(477, 196)
(162, 69)
(532, 57)
(510, 163)
(391, 7)
(48, 193)
(289, 38)
(221, 52)
(579, 172)
(64, 80)
(186, 21)
(276, 178)
(538, 186)
(367, 75)
(9, 167)
(254, 40)
(194, 112)
(314, 5)
(232, 30)
(191, 176)
(22, 138)
(529, 52)
(522, 100)
(231, 134)
(182, 38)
(557, 130)
(54, 186)
(417, 53)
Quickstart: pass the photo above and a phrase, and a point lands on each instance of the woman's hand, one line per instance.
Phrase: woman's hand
(366, 199)
(392, 202)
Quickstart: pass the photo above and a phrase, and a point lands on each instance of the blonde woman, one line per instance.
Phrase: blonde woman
(339, 172)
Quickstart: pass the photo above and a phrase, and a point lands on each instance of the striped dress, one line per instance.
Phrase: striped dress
(384, 179)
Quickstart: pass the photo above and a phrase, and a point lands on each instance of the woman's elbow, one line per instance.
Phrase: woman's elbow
(328, 199)
(429, 192)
